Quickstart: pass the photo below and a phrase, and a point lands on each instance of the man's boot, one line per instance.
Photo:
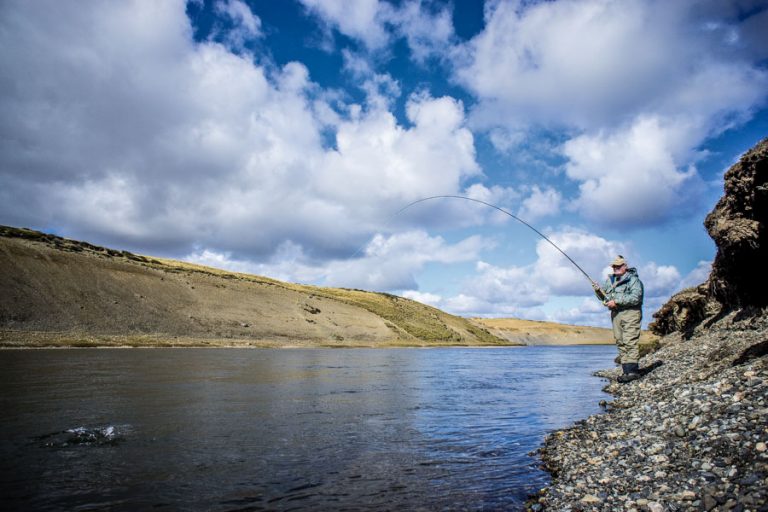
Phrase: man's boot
(631, 372)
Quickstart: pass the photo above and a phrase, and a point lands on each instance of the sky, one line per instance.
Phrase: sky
(283, 138)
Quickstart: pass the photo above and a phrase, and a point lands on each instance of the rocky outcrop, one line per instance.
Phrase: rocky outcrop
(738, 227)
(737, 224)
(684, 311)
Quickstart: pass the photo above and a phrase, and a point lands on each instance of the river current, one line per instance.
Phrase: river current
(252, 429)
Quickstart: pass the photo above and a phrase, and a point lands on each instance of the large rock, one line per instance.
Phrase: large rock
(737, 224)
(738, 227)
(684, 311)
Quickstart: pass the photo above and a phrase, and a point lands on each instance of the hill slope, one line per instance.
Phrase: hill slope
(63, 292)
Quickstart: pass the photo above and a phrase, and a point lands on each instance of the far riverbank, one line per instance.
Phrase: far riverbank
(534, 332)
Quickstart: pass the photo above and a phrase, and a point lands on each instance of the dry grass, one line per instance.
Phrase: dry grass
(85, 295)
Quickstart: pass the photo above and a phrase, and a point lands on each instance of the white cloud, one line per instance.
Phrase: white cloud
(552, 288)
(596, 62)
(427, 33)
(430, 299)
(568, 60)
(288, 263)
(631, 176)
(377, 23)
(221, 260)
(246, 25)
(697, 276)
(540, 203)
(523, 290)
(132, 131)
(377, 155)
(659, 280)
(588, 311)
(469, 305)
(638, 86)
(591, 252)
(390, 263)
(361, 19)
(381, 89)
(512, 285)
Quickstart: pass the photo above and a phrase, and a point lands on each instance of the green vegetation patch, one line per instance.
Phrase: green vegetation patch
(412, 317)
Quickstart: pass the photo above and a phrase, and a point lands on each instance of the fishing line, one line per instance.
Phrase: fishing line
(502, 210)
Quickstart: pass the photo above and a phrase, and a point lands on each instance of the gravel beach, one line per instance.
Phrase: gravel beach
(691, 435)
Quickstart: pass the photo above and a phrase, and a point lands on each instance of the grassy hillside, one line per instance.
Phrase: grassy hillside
(60, 292)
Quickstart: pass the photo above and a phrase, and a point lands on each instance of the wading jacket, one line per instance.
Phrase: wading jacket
(626, 291)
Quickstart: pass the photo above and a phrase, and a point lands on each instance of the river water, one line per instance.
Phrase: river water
(328, 429)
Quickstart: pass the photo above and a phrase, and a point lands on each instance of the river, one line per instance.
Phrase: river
(258, 429)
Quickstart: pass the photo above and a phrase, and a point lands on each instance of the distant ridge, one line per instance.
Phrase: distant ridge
(533, 332)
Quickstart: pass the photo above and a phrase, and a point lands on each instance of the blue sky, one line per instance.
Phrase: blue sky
(280, 138)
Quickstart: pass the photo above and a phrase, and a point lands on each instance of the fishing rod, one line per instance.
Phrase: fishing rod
(595, 285)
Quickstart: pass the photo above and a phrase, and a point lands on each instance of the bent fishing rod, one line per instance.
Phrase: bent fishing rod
(595, 285)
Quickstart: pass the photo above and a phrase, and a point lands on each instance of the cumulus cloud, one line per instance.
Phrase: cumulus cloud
(697, 276)
(133, 132)
(633, 176)
(588, 311)
(659, 280)
(540, 203)
(391, 262)
(396, 164)
(591, 63)
(427, 29)
(498, 289)
(430, 299)
(638, 86)
(246, 25)
(591, 252)
(362, 20)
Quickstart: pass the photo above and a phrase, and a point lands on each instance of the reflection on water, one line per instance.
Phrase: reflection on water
(207, 429)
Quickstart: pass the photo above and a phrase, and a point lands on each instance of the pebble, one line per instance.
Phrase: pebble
(589, 498)
(708, 502)
(691, 435)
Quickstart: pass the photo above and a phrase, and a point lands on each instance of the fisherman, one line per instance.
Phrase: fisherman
(622, 293)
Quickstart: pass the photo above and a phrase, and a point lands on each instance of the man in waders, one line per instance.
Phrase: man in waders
(623, 295)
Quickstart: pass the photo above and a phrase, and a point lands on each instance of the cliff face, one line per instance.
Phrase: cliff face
(737, 224)
(738, 227)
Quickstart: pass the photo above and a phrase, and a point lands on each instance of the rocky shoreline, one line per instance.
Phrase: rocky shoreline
(691, 435)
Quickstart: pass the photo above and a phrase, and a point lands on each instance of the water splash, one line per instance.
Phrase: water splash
(87, 436)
